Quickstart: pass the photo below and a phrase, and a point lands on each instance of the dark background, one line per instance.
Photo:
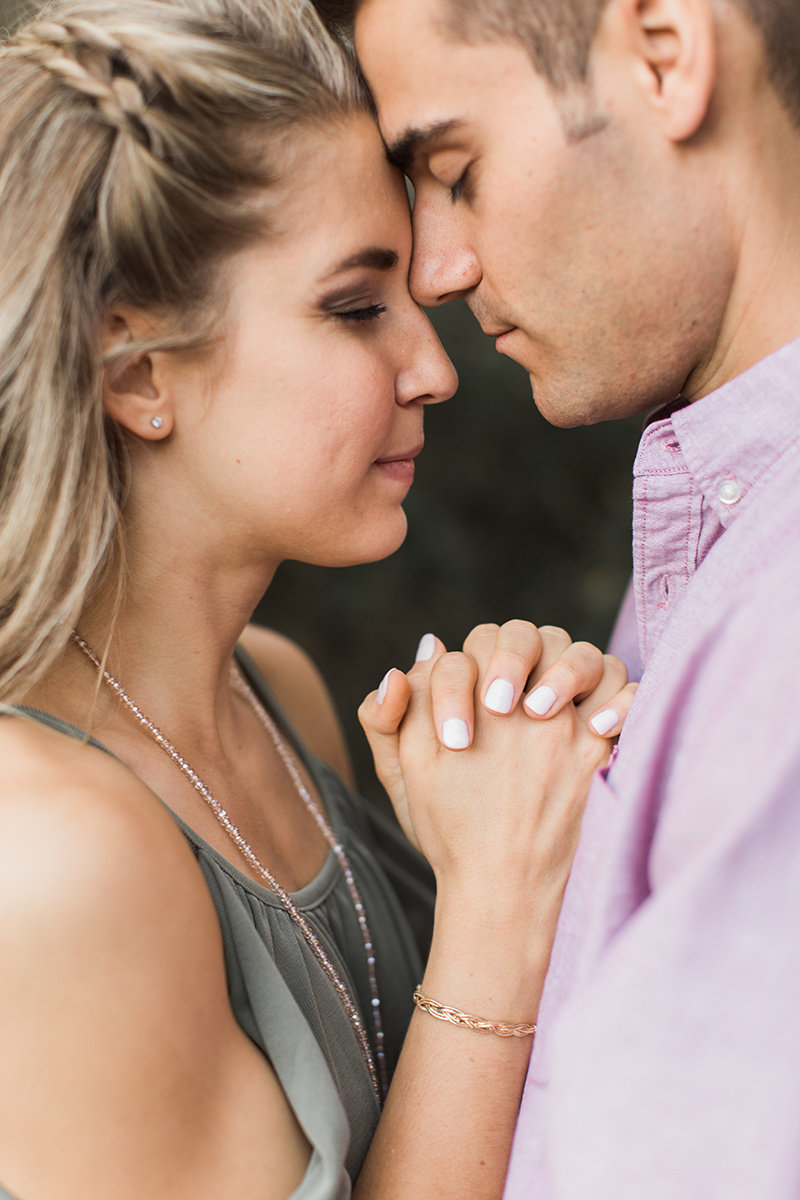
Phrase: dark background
(509, 517)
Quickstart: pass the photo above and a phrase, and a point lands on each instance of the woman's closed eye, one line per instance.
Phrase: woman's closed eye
(357, 316)
(352, 306)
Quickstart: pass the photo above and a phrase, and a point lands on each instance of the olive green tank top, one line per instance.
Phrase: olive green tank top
(279, 993)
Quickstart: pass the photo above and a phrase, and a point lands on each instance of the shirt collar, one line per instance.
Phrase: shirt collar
(731, 438)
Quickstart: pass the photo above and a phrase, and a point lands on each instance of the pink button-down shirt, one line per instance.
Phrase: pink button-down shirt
(667, 1063)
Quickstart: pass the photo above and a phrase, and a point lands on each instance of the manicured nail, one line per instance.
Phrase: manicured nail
(541, 700)
(426, 647)
(455, 734)
(499, 696)
(603, 722)
(383, 686)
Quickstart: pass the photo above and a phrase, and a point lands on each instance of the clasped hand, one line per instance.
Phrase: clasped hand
(487, 754)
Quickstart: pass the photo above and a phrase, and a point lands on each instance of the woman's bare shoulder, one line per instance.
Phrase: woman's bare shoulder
(89, 857)
(70, 809)
(303, 693)
(114, 1010)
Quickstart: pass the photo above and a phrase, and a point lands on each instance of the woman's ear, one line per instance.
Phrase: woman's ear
(132, 395)
(674, 44)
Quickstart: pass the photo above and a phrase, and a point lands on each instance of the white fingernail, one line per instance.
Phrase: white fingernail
(455, 734)
(500, 696)
(426, 647)
(603, 722)
(541, 700)
(383, 686)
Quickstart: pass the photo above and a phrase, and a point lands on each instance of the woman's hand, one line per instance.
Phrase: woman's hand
(434, 707)
(499, 822)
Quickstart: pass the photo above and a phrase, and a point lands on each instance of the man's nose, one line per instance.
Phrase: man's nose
(444, 266)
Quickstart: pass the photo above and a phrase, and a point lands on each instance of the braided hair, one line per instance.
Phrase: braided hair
(138, 144)
(104, 77)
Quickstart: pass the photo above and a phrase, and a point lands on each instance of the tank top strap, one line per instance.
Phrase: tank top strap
(54, 722)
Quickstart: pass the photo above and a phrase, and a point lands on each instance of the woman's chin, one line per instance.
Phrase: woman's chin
(369, 549)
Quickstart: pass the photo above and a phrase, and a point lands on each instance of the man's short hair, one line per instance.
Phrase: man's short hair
(558, 34)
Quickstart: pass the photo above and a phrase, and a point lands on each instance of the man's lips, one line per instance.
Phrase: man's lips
(500, 336)
(499, 331)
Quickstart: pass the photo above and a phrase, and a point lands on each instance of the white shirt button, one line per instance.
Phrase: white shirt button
(729, 491)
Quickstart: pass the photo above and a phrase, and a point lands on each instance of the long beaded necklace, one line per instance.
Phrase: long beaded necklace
(377, 1073)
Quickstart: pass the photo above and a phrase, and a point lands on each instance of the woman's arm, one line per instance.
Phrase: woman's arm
(499, 823)
(124, 1071)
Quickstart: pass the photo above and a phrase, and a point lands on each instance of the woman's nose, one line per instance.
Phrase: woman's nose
(426, 374)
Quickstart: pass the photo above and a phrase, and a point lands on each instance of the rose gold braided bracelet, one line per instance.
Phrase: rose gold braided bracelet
(456, 1017)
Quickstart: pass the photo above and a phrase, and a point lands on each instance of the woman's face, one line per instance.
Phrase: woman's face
(301, 443)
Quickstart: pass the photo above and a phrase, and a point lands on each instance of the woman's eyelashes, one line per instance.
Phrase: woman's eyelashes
(352, 307)
(357, 316)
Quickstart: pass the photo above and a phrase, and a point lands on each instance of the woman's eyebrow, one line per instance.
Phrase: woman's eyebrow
(377, 258)
(402, 152)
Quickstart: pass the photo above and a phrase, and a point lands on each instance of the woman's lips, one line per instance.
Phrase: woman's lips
(399, 466)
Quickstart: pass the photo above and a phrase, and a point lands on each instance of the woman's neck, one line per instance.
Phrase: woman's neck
(169, 643)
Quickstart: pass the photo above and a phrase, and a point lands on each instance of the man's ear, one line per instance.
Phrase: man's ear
(674, 45)
(132, 393)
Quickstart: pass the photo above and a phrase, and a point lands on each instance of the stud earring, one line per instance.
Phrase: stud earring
(156, 422)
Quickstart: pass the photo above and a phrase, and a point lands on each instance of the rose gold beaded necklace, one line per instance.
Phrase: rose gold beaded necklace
(376, 1064)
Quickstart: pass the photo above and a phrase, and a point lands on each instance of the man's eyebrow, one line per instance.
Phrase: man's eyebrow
(405, 149)
(377, 258)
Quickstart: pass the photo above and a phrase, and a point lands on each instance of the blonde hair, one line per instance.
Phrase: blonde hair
(135, 146)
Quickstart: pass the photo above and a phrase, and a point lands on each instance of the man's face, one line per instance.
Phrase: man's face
(563, 220)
